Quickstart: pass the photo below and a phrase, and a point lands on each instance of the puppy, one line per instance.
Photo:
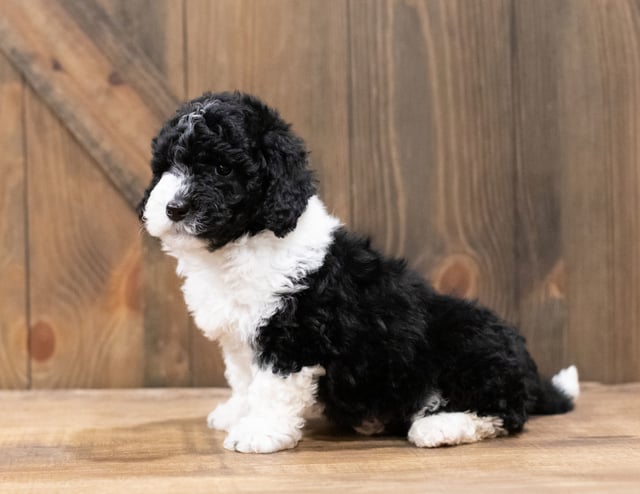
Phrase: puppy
(309, 313)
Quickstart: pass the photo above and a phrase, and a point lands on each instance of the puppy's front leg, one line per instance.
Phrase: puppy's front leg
(276, 406)
(237, 360)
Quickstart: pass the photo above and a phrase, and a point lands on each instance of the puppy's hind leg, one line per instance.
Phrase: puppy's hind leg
(237, 361)
(448, 429)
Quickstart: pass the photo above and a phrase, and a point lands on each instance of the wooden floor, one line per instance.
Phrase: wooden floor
(156, 440)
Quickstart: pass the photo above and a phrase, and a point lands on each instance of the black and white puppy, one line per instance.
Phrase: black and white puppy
(308, 313)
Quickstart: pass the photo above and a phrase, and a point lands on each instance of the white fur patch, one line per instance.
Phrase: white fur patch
(229, 413)
(238, 288)
(175, 236)
(567, 382)
(447, 429)
(237, 360)
(155, 217)
(277, 406)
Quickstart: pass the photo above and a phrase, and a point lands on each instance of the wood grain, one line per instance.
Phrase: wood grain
(155, 29)
(84, 257)
(167, 344)
(492, 142)
(431, 149)
(152, 32)
(600, 118)
(73, 75)
(157, 441)
(131, 65)
(14, 360)
(540, 257)
(302, 70)
(294, 56)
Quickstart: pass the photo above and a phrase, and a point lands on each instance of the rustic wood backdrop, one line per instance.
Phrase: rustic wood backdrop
(494, 143)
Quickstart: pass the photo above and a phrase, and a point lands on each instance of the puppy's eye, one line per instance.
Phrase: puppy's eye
(222, 169)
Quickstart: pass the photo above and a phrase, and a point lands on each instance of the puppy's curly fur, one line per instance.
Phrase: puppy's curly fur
(309, 313)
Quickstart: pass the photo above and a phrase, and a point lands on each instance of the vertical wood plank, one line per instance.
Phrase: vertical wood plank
(157, 28)
(84, 265)
(540, 258)
(14, 360)
(292, 54)
(600, 124)
(431, 132)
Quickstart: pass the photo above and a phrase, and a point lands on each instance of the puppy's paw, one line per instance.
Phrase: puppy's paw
(225, 415)
(260, 435)
(448, 429)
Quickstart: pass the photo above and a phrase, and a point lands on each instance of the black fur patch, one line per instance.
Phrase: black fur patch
(388, 341)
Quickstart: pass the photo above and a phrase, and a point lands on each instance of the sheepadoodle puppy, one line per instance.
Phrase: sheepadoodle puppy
(308, 313)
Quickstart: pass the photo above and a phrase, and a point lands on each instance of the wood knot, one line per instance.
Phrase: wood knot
(132, 288)
(557, 281)
(42, 341)
(115, 79)
(457, 275)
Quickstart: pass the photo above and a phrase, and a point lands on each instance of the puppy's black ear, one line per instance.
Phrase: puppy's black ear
(290, 182)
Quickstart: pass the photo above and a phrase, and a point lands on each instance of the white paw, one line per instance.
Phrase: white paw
(261, 435)
(225, 415)
(447, 429)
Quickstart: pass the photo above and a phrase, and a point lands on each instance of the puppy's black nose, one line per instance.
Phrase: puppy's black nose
(177, 209)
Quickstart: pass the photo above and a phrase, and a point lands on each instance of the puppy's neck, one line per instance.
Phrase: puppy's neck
(237, 288)
(313, 233)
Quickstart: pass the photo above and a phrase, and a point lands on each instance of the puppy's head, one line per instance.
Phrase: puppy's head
(224, 166)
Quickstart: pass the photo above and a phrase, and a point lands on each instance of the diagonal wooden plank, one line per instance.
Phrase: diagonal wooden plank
(154, 28)
(130, 62)
(106, 92)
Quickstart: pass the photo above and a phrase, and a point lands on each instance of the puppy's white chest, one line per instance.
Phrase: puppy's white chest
(209, 303)
(229, 295)
(239, 287)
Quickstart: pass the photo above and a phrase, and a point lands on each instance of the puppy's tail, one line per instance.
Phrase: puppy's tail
(557, 395)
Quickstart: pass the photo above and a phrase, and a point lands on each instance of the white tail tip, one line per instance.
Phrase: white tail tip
(567, 382)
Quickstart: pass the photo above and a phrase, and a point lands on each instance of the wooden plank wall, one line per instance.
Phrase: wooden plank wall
(14, 360)
(492, 142)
